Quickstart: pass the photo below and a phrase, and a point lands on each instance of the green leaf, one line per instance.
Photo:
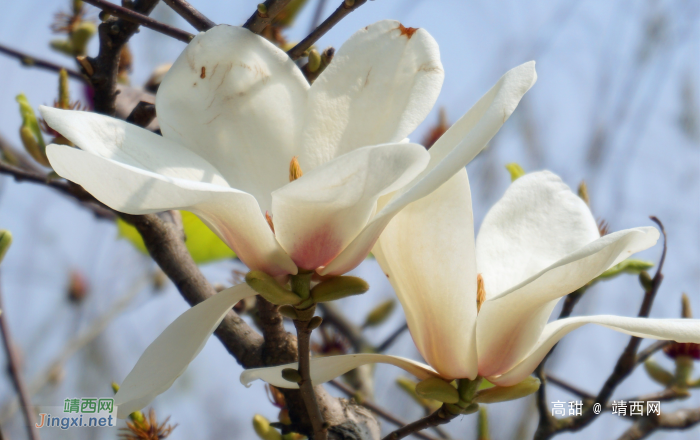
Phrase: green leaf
(203, 244)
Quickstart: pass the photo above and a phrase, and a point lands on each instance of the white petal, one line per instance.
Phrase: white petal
(323, 369)
(238, 101)
(537, 222)
(381, 84)
(317, 215)
(461, 144)
(169, 355)
(679, 330)
(233, 215)
(510, 324)
(427, 252)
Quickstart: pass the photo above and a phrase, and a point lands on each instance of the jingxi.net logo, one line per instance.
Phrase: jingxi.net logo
(84, 412)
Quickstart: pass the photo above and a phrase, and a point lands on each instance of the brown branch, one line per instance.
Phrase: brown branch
(320, 428)
(677, 420)
(345, 8)
(31, 61)
(317, 15)
(392, 338)
(259, 20)
(143, 114)
(439, 417)
(143, 20)
(666, 395)
(570, 388)
(16, 374)
(381, 412)
(645, 354)
(333, 316)
(190, 14)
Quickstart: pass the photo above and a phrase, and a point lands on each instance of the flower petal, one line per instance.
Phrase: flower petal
(679, 330)
(238, 101)
(323, 369)
(317, 215)
(427, 252)
(537, 222)
(233, 215)
(382, 83)
(509, 325)
(460, 145)
(169, 355)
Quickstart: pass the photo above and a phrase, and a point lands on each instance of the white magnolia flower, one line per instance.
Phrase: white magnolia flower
(537, 244)
(234, 110)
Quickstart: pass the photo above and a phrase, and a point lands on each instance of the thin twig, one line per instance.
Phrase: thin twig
(378, 410)
(143, 20)
(32, 61)
(190, 14)
(317, 15)
(677, 420)
(392, 338)
(16, 374)
(645, 354)
(570, 388)
(320, 429)
(258, 21)
(340, 13)
(439, 417)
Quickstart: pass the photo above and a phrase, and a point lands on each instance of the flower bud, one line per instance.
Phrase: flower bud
(289, 312)
(264, 430)
(315, 322)
(630, 266)
(380, 313)
(291, 375)
(515, 171)
(314, 60)
(502, 394)
(645, 280)
(5, 242)
(81, 35)
(262, 10)
(338, 287)
(657, 373)
(267, 287)
(437, 389)
(63, 46)
(409, 387)
(30, 132)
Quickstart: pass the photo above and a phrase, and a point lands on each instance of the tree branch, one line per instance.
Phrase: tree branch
(677, 420)
(190, 14)
(264, 15)
(392, 338)
(345, 8)
(143, 20)
(439, 417)
(31, 61)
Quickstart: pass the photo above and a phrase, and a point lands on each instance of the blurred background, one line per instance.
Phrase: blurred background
(616, 104)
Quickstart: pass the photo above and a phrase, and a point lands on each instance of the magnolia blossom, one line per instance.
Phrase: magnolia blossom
(235, 111)
(482, 308)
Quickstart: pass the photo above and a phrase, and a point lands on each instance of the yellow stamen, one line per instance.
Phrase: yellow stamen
(480, 292)
(268, 217)
(295, 171)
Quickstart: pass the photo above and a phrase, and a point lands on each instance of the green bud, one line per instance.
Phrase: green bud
(5, 242)
(137, 417)
(63, 46)
(32, 146)
(627, 266)
(437, 389)
(315, 322)
(645, 280)
(456, 409)
(515, 171)
(289, 312)
(483, 425)
(269, 288)
(314, 60)
(338, 287)
(262, 9)
(291, 375)
(502, 394)
(349, 3)
(264, 430)
(81, 37)
(658, 373)
(29, 118)
(409, 387)
(380, 313)
(63, 91)
(115, 387)
(77, 6)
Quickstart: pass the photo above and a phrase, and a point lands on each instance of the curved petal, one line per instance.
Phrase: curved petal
(510, 324)
(679, 330)
(537, 222)
(382, 83)
(233, 215)
(469, 136)
(317, 215)
(327, 368)
(427, 252)
(169, 355)
(238, 101)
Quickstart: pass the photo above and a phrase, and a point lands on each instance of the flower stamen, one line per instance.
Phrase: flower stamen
(480, 292)
(295, 171)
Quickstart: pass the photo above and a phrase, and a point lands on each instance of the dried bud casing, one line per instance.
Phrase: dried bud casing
(338, 287)
(267, 287)
(502, 394)
(437, 389)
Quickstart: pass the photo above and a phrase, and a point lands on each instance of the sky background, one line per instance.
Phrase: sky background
(616, 104)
